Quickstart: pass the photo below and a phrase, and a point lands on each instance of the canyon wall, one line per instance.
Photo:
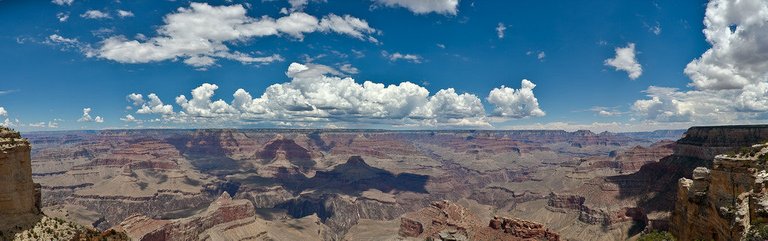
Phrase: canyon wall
(19, 196)
(705, 142)
(724, 198)
(724, 202)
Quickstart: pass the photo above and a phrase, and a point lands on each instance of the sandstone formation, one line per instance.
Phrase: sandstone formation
(724, 202)
(444, 220)
(19, 196)
(654, 187)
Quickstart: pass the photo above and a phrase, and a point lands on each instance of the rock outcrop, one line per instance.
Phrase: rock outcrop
(21, 217)
(596, 216)
(19, 195)
(654, 186)
(444, 220)
(223, 210)
(724, 202)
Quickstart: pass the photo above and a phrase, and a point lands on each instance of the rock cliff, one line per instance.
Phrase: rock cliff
(726, 201)
(21, 217)
(19, 196)
(654, 186)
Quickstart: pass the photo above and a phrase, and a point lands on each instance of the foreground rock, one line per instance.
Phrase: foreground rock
(725, 202)
(19, 196)
(444, 220)
(20, 214)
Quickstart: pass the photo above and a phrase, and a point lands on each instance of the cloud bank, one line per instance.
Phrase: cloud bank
(447, 7)
(730, 80)
(317, 94)
(201, 34)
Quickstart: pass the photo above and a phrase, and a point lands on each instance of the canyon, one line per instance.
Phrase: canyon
(234, 184)
(343, 184)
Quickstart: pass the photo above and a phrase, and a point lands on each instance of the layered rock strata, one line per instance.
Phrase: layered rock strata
(726, 201)
(19, 195)
(223, 210)
(444, 220)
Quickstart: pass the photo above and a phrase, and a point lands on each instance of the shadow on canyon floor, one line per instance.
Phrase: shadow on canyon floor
(351, 178)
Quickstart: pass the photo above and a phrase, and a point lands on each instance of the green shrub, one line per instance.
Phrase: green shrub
(757, 232)
(656, 236)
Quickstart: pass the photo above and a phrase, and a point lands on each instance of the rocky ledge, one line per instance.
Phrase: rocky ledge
(445, 220)
(726, 202)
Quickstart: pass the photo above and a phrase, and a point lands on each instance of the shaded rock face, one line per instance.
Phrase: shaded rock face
(595, 216)
(724, 202)
(18, 194)
(697, 148)
(223, 210)
(445, 220)
(339, 212)
(295, 153)
(633, 159)
(707, 142)
(343, 208)
(351, 177)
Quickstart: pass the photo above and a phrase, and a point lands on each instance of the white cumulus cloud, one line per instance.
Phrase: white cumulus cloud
(63, 2)
(514, 103)
(739, 54)
(87, 117)
(625, 60)
(152, 106)
(319, 94)
(730, 80)
(63, 17)
(124, 13)
(447, 7)
(95, 14)
(129, 118)
(201, 33)
(413, 58)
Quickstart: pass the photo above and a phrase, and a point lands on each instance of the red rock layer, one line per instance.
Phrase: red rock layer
(444, 220)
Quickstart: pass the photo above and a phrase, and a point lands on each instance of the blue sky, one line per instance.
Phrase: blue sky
(601, 65)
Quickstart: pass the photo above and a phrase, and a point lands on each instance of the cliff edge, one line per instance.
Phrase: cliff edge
(728, 201)
(19, 196)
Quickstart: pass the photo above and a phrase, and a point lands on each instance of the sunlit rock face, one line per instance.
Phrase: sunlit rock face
(445, 220)
(18, 195)
(726, 201)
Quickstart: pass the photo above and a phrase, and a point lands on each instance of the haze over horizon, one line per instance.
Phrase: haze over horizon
(383, 64)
